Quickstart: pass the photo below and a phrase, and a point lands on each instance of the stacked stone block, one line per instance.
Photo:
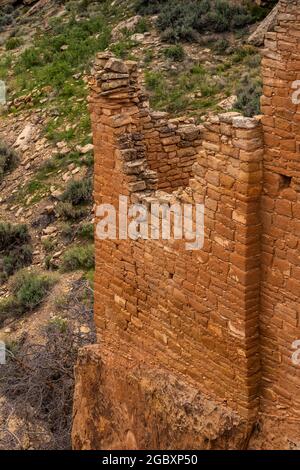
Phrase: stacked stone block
(193, 313)
(172, 147)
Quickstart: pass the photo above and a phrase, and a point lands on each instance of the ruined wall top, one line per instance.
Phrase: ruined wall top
(115, 79)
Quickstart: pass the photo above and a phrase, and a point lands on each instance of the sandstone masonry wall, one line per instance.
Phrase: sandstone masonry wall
(218, 322)
(171, 149)
(280, 207)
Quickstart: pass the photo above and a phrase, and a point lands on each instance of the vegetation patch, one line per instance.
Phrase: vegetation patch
(78, 192)
(7, 16)
(79, 258)
(5, 64)
(142, 26)
(51, 69)
(15, 249)
(249, 87)
(68, 48)
(188, 19)
(197, 89)
(249, 92)
(175, 53)
(175, 92)
(75, 201)
(122, 48)
(86, 232)
(39, 186)
(38, 378)
(8, 159)
(32, 192)
(28, 290)
(13, 43)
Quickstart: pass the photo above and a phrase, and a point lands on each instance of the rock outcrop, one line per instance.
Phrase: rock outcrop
(147, 409)
(268, 24)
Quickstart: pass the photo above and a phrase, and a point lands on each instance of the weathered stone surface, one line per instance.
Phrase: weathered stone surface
(116, 65)
(140, 408)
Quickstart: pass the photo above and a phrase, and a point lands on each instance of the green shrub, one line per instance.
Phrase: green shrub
(259, 12)
(9, 308)
(30, 58)
(75, 200)
(86, 232)
(47, 262)
(78, 257)
(59, 323)
(253, 61)
(188, 19)
(67, 211)
(28, 290)
(12, 235)
(249, 91)
(90, 277)
(122, 48)
(149, 56)
(8, 159)
(50, 64)
(198, 69)
(221, 45)
(5, 65)
(78, 192)
(16, 259)
(154, 80)
(7, 9)
(6, 19)
(79, 6)
(142, 26)
(15, 250)
(149, 7)
(13, 43)
(49, 244)
(243, 53)
(67, 232)
(175, 53)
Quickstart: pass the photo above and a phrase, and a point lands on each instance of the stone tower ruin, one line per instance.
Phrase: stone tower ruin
(198, 349)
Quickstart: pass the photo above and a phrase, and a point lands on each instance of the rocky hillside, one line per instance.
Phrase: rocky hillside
(196, 61)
